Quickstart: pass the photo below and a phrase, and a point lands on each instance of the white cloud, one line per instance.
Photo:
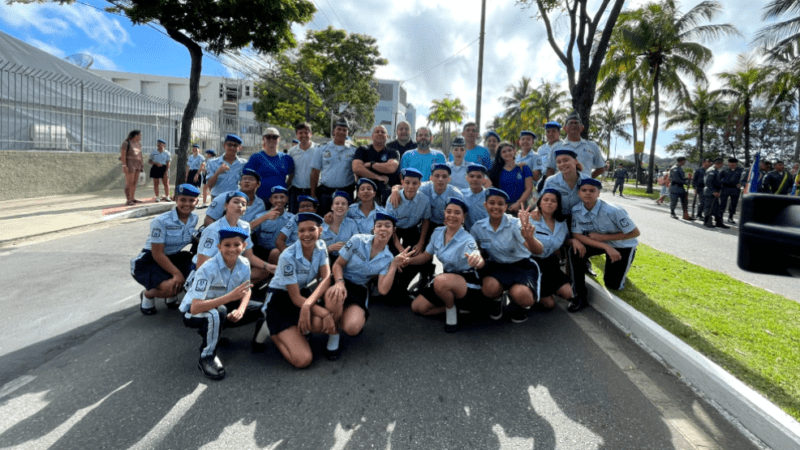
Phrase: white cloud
(49, 48)
(102, 62)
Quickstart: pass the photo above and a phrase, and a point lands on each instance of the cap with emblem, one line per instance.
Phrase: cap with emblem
(307, 198)
(187, 190)
(459, 142)
(573, 116)
(341, 123)
(195, 146)
(440, 166)
(344, 195)
(161, 141)
(229, 232)
(552, 124)
(278, 190)
(252, 173)
(476, 168)
(591, 182)
(527, 133)
(492, 134)
(411, 172)
(362, 181)
(456, 201)
(566, 152)
(233, 194)
(211, 152)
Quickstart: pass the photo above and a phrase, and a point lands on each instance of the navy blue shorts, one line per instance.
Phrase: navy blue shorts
(146, 271)
(190, 178)
(474, 301)
(524, 272)
(552, 275)
(356, 295)
(157, 172)
(282, 314)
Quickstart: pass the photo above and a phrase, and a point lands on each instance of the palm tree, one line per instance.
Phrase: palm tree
(513, 102)
(782, 35)
(745, 83)
(444, 112)
(610, 121)
(698, 110)
(786, 87)
(547, 101)
(658, 36)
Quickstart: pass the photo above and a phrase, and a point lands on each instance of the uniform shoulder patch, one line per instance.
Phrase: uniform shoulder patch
(624, 223)
(156, 232)
(202, 284)
(208, 243)
(288, 270)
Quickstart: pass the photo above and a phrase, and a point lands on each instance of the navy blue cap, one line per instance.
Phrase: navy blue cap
(161, 141)
(233, 194)
(303, 216)
(476, 168)
(278, 190)
(551, 191)
(552, 124)
(411, 172)
(187, 190)
(566, 152)
(252, 173)
(440, 166)
(344, 195)
(307, 198)
(457, 201)
(367, 181)
(233, 138)
(591, 182)
(527, 133)
(341, 123)
(492, 133)
(229, 232)
(496, 192)
(459, 142)
(212, 152)
(195, 146)
(385, 216)
(574, 116)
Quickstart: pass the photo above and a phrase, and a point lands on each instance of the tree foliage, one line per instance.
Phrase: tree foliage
(445, 112)
(330, 69)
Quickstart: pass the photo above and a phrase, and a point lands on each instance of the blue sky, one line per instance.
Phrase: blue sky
(427, 44)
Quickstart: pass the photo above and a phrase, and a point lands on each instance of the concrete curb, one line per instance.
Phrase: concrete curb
(147, 210)
(758, 415)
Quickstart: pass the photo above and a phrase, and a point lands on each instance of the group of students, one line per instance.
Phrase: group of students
(295, 274)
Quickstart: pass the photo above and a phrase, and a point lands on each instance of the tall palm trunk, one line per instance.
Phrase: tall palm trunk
(797, 140)
(702, 139)
(636, 161)
(651, 166)
(747, 104)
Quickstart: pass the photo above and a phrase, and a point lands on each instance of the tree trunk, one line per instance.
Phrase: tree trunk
(747, 104)
(637, 169)
(797, 140)
(651, 166)
(702, 130)
(582, 102)
(182, 152)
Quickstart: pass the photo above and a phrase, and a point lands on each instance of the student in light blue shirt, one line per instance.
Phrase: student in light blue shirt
(249, 184)
(507, 244)
(219, 297)
(223, 172)
(460, 257)
(341, 228)
(602, 228)
(566, 180)
(458, 165)
(363, 257)
(159, 169)
(529, 157)
(475, 195)
(267, 226)
(288, 234)
(193, 165)
(292, 310)
(364, 211)
(161, 267)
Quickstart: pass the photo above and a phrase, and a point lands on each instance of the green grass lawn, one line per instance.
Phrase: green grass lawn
(639, 192)
(752, 333)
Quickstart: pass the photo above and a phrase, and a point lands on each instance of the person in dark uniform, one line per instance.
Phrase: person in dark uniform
(620, 175)
(764, 167)
(403, 143)
(699, 183)
(712, 192)
(677, 189)
(779, 181)
(731, 178)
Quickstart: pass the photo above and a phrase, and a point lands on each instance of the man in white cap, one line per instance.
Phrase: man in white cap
(276, 168)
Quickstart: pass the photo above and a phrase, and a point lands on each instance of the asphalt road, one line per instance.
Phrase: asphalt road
(712, 248)
(81, 368)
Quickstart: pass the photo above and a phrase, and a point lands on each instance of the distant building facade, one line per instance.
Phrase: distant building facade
(393, 106)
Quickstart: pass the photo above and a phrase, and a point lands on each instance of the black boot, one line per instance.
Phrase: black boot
(720, 224)
(577, 304)
(672, 214)
(211, 367)
(708, 223)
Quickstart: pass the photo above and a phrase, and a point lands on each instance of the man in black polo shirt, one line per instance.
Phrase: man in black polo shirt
(378, 163)
(403, 143)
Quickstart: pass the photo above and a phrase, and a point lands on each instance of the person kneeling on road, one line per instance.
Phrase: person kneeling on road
(602, 228)
(162, 267)
(222, 284)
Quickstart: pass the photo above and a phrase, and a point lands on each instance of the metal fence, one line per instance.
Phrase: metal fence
(41, 110)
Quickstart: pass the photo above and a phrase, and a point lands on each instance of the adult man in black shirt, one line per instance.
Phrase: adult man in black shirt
(403, 143)
(779, 181)
(378, 163)
(699, 184)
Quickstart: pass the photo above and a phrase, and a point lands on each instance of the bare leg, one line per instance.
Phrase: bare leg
(294, 347)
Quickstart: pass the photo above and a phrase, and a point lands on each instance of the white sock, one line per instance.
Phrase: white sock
(333, 341)
(148, 302)
(451, 316)
(263, 333)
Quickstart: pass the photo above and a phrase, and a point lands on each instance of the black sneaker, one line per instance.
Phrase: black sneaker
(519, 315)
(731, 221)
(496, 310)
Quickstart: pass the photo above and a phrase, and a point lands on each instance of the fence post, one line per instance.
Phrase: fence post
(83, 118)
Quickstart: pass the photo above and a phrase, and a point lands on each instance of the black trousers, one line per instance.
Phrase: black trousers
(673, 201)
(615, 272)
(295, 192)
(211, 323)
(711, 208)
(728, 193)
(619, 183)
(325, 197)
(409, 238)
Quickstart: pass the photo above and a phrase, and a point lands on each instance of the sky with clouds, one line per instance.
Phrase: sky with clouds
(430, 45)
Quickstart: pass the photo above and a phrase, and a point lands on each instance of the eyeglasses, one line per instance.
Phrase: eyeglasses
(573, 122)
(271, 137)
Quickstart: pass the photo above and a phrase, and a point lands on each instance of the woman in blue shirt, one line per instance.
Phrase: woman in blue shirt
(341, 229)
(459, 255)
(515, 180)
(292, 310)
(508, 243)
(363, 257)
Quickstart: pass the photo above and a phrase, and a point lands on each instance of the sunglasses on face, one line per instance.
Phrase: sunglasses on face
(271, 138)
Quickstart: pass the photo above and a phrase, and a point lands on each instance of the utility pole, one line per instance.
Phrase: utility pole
(480, 67)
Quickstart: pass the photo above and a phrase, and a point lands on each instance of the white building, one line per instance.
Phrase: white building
(393, 106)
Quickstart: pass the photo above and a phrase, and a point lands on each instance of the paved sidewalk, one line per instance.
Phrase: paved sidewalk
(31, 217)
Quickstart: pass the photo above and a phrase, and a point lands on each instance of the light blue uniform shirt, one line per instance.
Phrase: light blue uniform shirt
(217, 208)
(569, 196)
(226, 181)
(475, 204)
(160, 157)
(506, 245)
(478, 155)
(532, 159)
(545, 151)
(438, 201)
(209, 240)
(359, 268)
(458, 178)
(194, 162)
(589, 155)
(290, 231)
(451, 254)
(410, 212)
(267, 232)
(422, 161)
(364, 223)
(347, 229)
(335, 163)
(168, 229)
(551, 240)
(303, 161)
(294, 268)
(604, 218)
(214, 279)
